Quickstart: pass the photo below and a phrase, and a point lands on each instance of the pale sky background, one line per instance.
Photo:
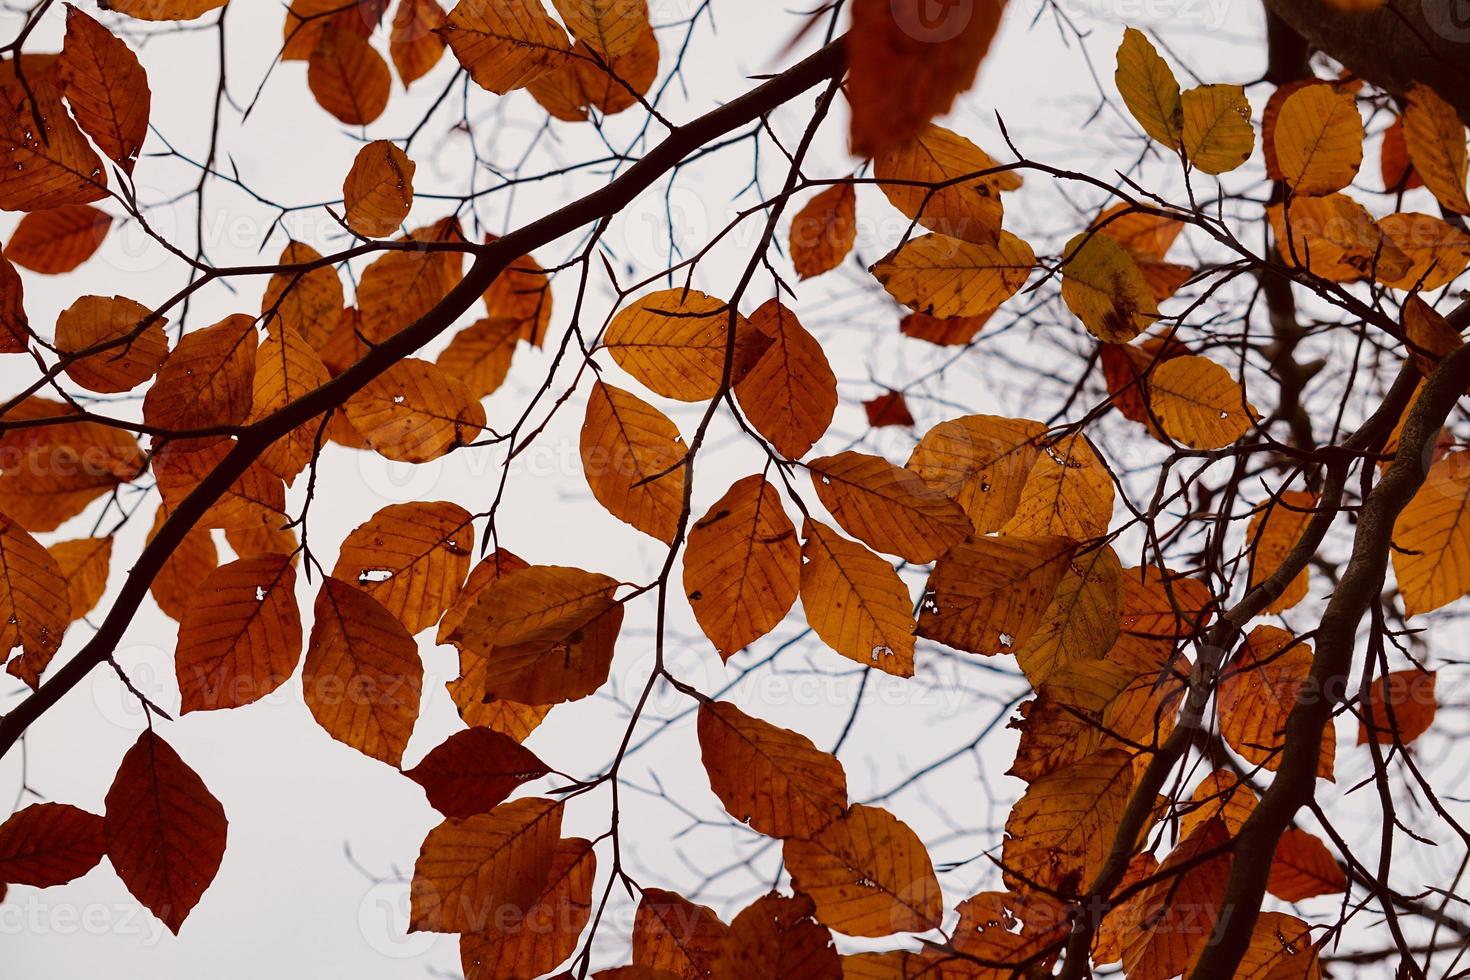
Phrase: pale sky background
(287, 901)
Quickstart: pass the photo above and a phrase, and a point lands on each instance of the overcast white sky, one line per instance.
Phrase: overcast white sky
(287, 901)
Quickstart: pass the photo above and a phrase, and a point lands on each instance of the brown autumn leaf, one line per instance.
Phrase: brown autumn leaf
(474, 771)
(1082, 620)
(469, 870)
(307, 19)
(609, 27)
(790, 394)
(257, 498)
(286, 369)
(981, 462)
(888, 409)
(823, 232)
(936, 57)
(1012, 930)
(1272, 533)
(378, 191)
(307, 303)
(930, 178)
(106, 87)
(401, 286)
(742, 566)
(988, 595)
(133, 352)
(776, 936)
(889, 508)
(1399, 708)
(255, 541)
(414, 44)
(955, 331)
(47, 844)
(1059, 833)
(186, 566)
(35, 173)
(15, 327)
(50, 473)
(1318, 139)
(586, 81)
(1431, 539)
(348, 77)
(412, 558)
(362, 676)
(1258, 689)
(1397, 171)
(536, 604)
(163, 9)
(633, 459)
(1437, 251)
(84, 564)
(1336, 238)
(165, 831)
(530, 943)
(494, 565)
(1430, 337)
(856, 602)
(1435, 137)
(207, 379)
(522, 294)
(947, 277)
(415, 412)
(1068, 492)
(480, 710)
(240, 637)
(34, 605)
(1176, 915)
(675, 342)
(567, 666)
(480, 354)
(1217, 132)
(1220, 796)
(1281, 945)
(505, 44)
(772, 779)
(674, 935)
(57, 240)
(1303, 868)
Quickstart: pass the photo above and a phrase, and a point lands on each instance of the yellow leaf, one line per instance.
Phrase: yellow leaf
(981, 462)
(1431, 540)
(412, 558)
(1281, 946)
(1319, 139)
(505, 44)
(414, 412)
(609, 27)
(889, 508)
(1217, 127)
(674, 341)
(1436, 141)
(633, 458)
(923, 179)
(362, 677)
(988, 595)
(480, 355)
(742, 567)
(1102, 285)
(1335, 238)
(856, 602)
(1198, 403)
(1149, 89)
(1273, 531)
(378, 191)
(771, 778)
(868, 874)
(946, 277)
(1068, 492)
(240, 637)
(1437, 251)
(84, 564)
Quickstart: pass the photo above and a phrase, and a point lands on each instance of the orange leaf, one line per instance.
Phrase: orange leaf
(673, 934)
(929, 179)
(415, 412)
(1068, 492)
(1431, 539)
(414, 43)
(132, 355)
(308, 304)
(791, 393)
(1082, 620)
(363, 675)
(240, 637)
(207, 379)
(936, 58)
(856, 602)
(1303, 868)
(34, 604)
(490, 568)
(1272, 533)
(776, 936)
(1258, 689)
(412, 558)
(50, 473)
(633, 458)
(107, 88)
(1437, 251)
(823, 232)
(522, 294)
(1399, 708)
(770, 778)
(1059, 833)
(609, 27)
(186, 566)
(981, 462)
(1436, 140)
(888, 409)
(505, 44)
(378, 191)
(946, 277)
(348, 77)
(84, 564)
(38, 173)
(164, 9)
(1198, 403)
(257, 498)
(165, 831)
(988, 595)
(469, 870)
(674, 341)
(532, 942)
(1176, 915)
(57, 240)
(15, 327)
(742, 566)
(888, 507)
(868, 874)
